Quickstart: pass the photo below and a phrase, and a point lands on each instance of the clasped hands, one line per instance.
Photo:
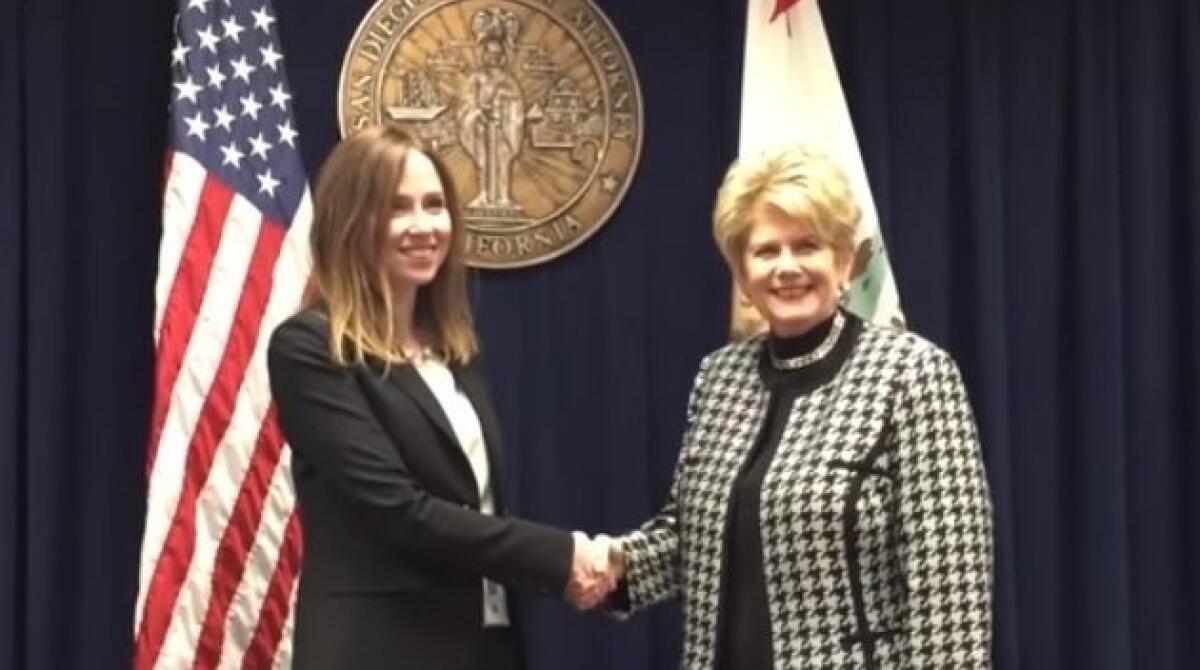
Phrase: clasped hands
(597, 567)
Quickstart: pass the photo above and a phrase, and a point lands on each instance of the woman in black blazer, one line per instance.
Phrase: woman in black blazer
(408, 557)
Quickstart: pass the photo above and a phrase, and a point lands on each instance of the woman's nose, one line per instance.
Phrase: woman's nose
(787, 262)
(419, 224)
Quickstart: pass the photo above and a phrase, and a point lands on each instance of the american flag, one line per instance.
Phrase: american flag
(221, 549)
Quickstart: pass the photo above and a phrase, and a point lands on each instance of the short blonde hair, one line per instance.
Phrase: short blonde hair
(352, 205)
(802, 183)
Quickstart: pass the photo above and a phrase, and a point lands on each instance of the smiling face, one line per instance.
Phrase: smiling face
(419, 230)
(786, 222)
(791, 274)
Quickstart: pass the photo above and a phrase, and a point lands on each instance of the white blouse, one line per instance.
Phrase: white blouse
(465, 423)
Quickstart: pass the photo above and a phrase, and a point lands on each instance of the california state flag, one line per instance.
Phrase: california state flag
(791, 94)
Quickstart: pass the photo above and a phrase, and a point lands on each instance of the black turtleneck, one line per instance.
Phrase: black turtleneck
(744, 633)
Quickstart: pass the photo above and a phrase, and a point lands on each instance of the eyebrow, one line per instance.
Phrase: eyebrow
(404, 198)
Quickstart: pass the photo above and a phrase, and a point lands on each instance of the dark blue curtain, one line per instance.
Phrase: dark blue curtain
(1036, 164)
(82, 105)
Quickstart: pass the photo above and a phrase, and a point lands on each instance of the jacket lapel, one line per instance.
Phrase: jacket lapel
(409, 380)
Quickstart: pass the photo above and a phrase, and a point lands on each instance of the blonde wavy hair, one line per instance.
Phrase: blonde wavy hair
(802, 183)
(352, 205)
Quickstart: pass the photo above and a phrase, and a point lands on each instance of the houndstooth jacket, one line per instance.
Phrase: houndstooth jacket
(875, 515)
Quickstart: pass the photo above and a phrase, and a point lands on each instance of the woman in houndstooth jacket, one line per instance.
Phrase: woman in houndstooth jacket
(829, 507)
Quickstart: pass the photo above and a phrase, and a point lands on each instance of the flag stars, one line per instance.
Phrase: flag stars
(287, 135)
(270, 56)
(250, 106)
(197, 126)
(208, 39)
(232, 29)
(263, 20)
(224, 118)
(242, 69)
(215, 76)
(239, 130)
(279, 97)
(179, 53)
(232, 155)
(187, 89)
(260, 146)
(267, 183)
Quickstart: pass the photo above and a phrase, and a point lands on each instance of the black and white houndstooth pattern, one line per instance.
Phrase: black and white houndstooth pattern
(876, 521)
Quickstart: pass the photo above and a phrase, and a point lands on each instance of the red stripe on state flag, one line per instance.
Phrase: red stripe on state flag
(781, 7)
(274, 614)
(237, 540)
(172, 565)
(184, 300)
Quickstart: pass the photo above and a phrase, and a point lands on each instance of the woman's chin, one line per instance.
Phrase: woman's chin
(413, 277)
(791, 320)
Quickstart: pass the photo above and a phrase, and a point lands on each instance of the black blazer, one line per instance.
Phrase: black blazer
(394, 544)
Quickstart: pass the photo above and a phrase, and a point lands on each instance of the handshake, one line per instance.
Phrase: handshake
(598, 565)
